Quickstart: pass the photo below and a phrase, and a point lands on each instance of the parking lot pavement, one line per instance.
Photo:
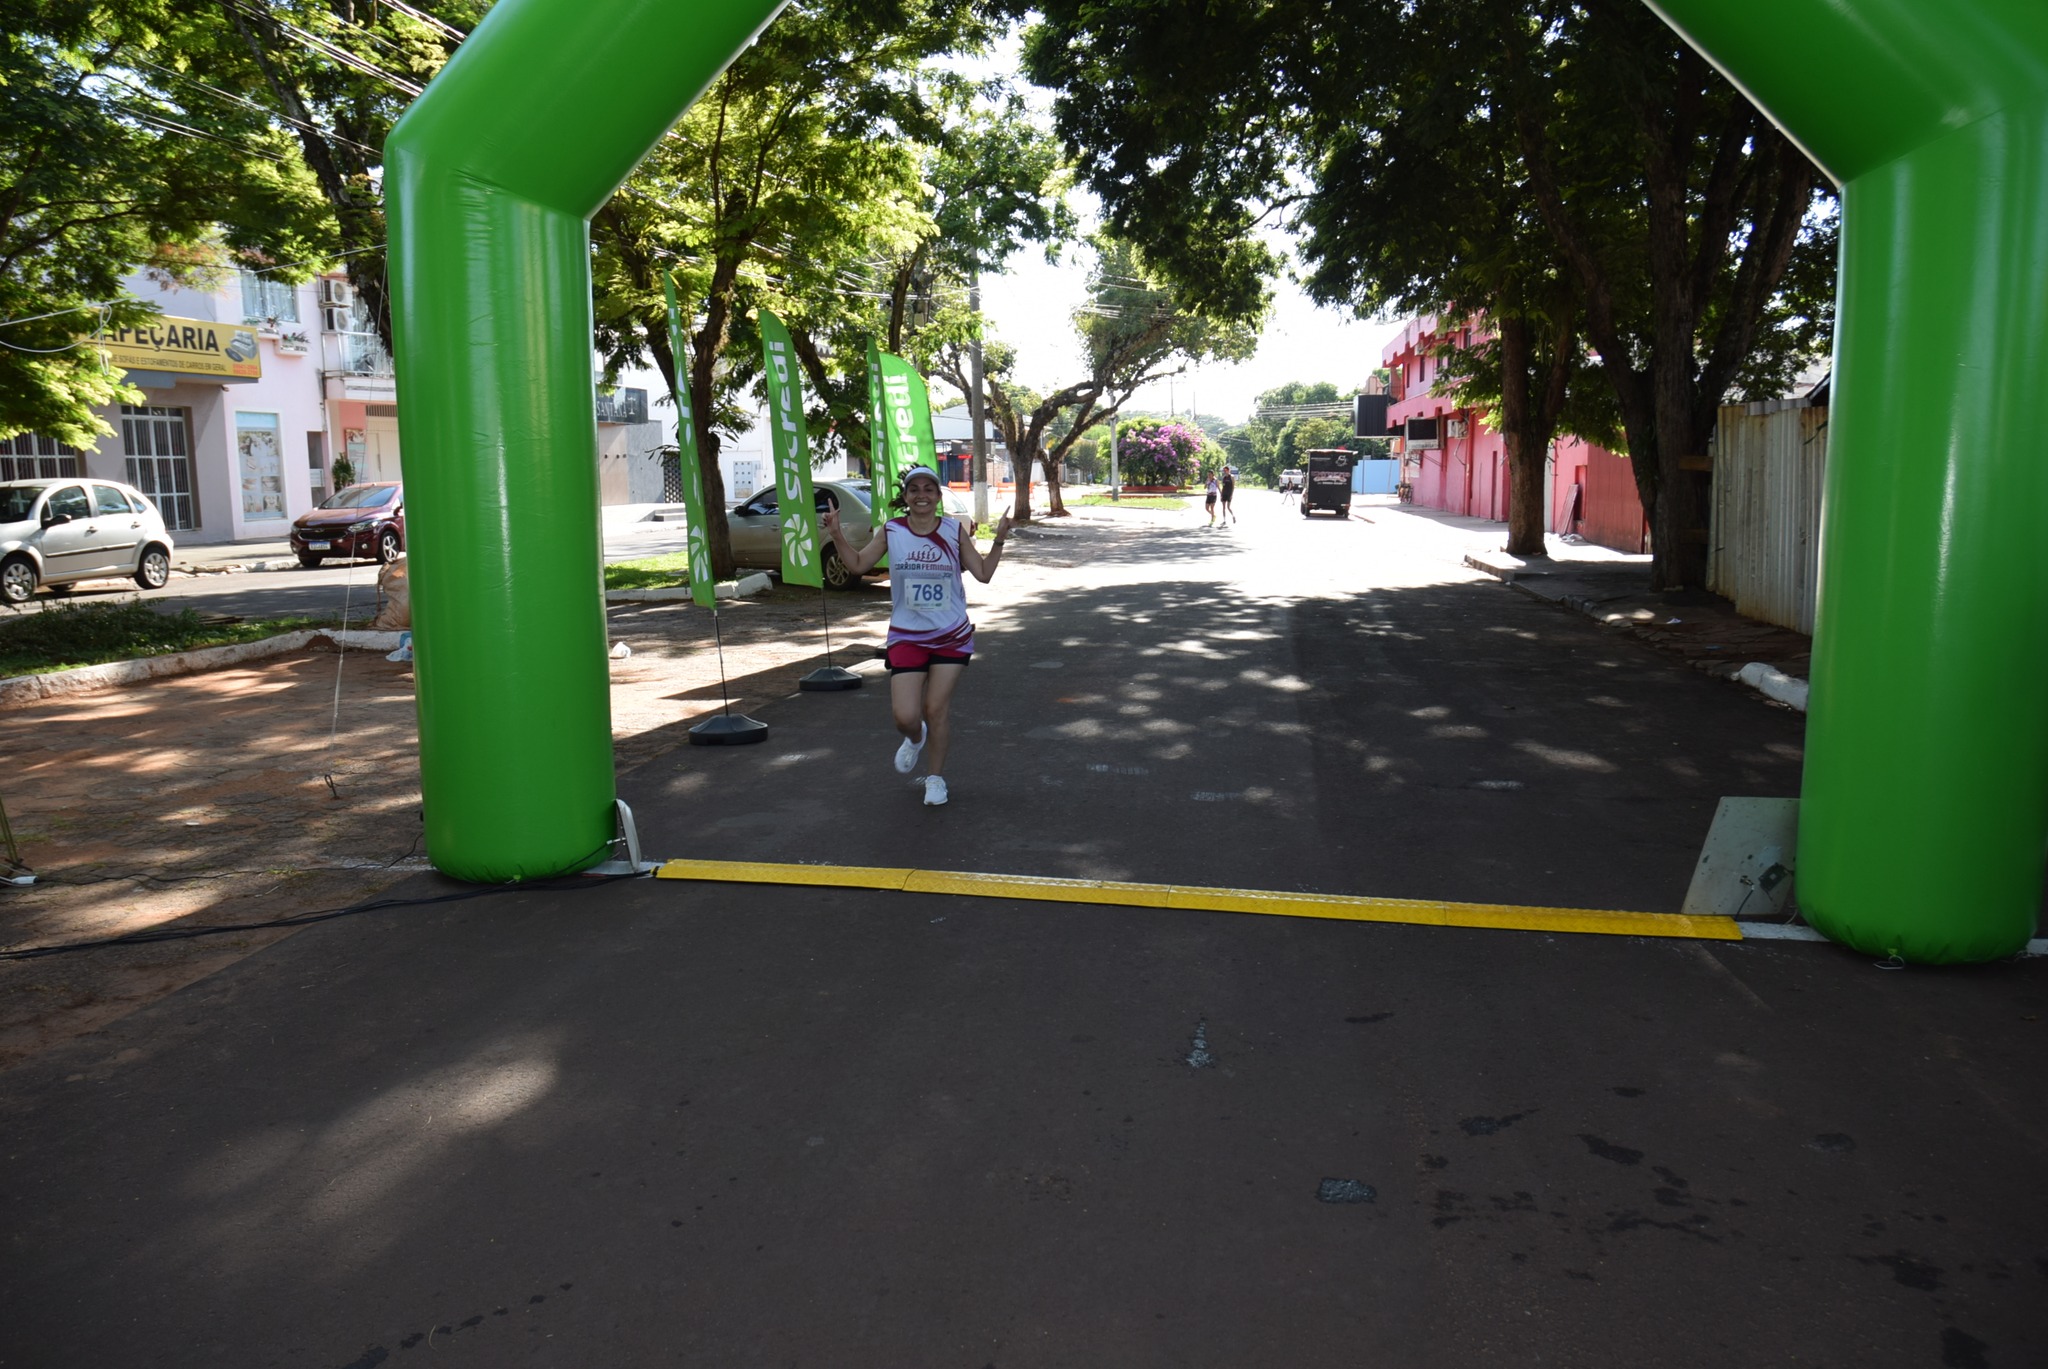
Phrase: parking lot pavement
(616, 1123)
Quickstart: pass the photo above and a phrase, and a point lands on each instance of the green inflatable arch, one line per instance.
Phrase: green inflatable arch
(1924, 816)
(491, 178)
(1924, 812)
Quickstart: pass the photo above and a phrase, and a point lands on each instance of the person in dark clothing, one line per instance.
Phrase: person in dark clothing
(1229, 489)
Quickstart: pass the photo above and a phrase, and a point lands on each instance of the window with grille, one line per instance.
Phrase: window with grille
(160, 461)
(264, 298)
(31, 456)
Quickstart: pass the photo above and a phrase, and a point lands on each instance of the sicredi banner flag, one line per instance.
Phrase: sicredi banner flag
(702, 590)
(927, 446)
(798, 510)
(907, 414)
(881, 458)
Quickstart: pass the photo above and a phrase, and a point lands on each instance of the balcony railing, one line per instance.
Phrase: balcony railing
(357, 354)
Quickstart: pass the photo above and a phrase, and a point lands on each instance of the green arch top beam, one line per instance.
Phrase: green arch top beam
(1924, 810)
(491, 178)
(1857, 83)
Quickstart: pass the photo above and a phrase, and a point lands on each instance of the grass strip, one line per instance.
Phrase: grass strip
(670, 570)
(63, 636)
(1132, 501)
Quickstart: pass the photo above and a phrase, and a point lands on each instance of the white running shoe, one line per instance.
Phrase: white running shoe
(907, 754)
(934, 790)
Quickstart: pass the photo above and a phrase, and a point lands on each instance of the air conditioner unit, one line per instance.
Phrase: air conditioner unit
(1454, 427)
(336, 320)
(336, 292)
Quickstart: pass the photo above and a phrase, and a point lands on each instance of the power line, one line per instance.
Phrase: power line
(163, 125)
(446, 30)
(264, 110)
(321, 46)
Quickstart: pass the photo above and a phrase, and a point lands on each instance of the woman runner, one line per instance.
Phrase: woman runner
(930, 636)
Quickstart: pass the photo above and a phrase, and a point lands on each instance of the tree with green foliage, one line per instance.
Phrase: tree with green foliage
(111, 165)
(333, 76)
(1133, 330)
(790, 185)
(1255, 445)
(993, 182)
(186, 140)
(1567, 169)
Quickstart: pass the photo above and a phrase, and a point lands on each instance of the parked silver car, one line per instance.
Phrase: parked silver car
(57, 532)
(757, 535)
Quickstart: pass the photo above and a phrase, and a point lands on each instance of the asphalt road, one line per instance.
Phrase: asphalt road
(655, 1122)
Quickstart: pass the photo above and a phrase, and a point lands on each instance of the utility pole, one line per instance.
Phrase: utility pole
(975, 414)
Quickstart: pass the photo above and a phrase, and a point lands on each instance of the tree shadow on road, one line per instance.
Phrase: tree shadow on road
(1447, 741)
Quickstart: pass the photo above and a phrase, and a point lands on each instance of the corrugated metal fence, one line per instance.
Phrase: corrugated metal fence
(1768, 460)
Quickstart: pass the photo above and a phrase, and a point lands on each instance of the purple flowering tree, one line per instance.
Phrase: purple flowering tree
(1152, 452)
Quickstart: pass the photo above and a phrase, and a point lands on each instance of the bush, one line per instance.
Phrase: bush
(1151, 452)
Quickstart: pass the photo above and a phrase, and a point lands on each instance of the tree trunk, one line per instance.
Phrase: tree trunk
(1684, 497)
(1526, 446)
(706, 345)
(1055, 507)
(1022, 454)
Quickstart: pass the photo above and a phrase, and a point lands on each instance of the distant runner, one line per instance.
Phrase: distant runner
(931, 638)
(1229, 489)
(1210, 502)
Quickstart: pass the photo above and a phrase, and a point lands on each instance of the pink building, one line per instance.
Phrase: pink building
(1454, 462)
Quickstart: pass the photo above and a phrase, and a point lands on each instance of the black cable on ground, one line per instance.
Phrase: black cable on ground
(305, 919)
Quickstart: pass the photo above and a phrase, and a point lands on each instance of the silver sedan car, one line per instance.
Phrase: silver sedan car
(757, 533)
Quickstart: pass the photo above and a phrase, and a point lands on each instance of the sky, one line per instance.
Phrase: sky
(1030, 305)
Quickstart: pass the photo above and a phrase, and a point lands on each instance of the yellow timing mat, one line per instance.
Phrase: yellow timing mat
(1341, 907)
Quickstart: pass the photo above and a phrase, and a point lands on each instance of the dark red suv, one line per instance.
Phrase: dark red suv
(360, 521)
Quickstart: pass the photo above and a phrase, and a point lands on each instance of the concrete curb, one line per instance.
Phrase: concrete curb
(57, 684)
(1500, 565)
(1768, 680)
(726, 589)
(646, 596)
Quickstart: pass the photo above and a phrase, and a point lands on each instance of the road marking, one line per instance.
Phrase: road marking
(1194, 898)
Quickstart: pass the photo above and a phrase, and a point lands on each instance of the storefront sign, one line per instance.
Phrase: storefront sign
(186, 346)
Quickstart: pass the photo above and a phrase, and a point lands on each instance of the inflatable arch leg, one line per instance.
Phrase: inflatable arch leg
(491, 178)
(1924, 812)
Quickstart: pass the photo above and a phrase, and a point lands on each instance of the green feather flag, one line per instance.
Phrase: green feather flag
(798, 508)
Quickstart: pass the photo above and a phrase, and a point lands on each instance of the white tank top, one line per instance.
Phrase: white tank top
(928, 598)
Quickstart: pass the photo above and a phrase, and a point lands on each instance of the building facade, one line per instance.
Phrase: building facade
(1452, 460)
(252, 391)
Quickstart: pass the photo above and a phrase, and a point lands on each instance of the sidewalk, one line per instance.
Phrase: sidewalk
(223, 558)
(1611, 588)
